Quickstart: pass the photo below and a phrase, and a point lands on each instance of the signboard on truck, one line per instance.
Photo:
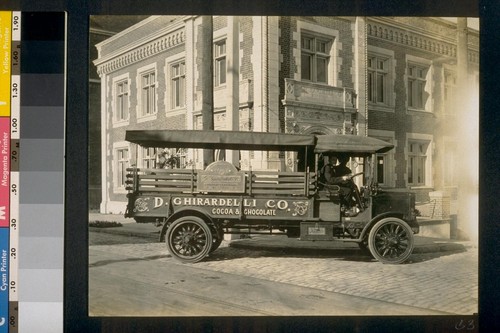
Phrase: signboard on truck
(227, 207)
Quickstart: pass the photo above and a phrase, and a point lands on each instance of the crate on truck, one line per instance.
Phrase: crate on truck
(198, 206)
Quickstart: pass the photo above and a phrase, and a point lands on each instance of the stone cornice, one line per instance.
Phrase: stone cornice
(394, 32)
(161, 44)
(101, 32)
(317, 106)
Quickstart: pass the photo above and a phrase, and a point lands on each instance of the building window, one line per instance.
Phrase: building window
(378, 79)
(384, 165)
(148, 93)
(315, 58)
(178, 90)
(220, 63)
(121, 102)
(381, 168)
(182, 154)
(417, 79)
(416, 163)
(148, 158)
(122, 161)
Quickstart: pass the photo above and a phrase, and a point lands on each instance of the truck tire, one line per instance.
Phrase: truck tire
(189, 239)
(217, 238)
(363, 246)
(391, 241)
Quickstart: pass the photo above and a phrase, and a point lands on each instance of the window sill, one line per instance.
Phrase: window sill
(325, 84)
(413, 110)
(121, 123)
(176, 112)
(146, 118)
(380, 107)
(420, 187)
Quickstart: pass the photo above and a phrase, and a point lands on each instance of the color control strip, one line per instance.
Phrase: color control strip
(41, 172)
(5, 158)
(15, 86)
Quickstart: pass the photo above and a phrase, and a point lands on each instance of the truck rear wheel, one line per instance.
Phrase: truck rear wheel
(391, 241)
(189, 239)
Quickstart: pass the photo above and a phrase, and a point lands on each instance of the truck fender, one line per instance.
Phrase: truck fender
(184, 212)
(377, 218)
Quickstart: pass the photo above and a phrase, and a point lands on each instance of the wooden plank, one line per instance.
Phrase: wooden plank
(267, 192)
(166, 182)
(167, 176)
(162, 189)
(185, 185)
(160, 171)
(163, 181)
(278, 192)
(279, 173)
(277, 186)
(281, 180)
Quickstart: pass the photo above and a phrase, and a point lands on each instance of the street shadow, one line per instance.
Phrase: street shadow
(349, 255)
(108, 262)
(423, 257)
(232, 253)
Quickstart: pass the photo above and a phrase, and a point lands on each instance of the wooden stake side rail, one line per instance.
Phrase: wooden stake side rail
(184, 181)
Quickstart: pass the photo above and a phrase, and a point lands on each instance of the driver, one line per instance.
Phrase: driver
(342, 169)
(339, 175)
(335, 174)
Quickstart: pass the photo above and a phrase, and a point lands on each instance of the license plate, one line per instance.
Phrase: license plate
(316, 231)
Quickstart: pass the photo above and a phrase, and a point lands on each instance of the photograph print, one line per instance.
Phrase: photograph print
(283, 166)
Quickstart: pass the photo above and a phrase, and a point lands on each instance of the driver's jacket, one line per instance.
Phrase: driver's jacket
(333, 174)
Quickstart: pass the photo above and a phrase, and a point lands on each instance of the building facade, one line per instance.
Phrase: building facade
(412, 99)
(391, 78)
(101, 28)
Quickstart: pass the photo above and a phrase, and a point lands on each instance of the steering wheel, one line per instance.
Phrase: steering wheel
(351, 177)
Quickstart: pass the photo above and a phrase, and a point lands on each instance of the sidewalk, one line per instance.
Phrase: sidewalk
(273, 242)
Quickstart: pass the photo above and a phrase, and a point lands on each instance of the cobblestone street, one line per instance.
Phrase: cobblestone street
(446, 282)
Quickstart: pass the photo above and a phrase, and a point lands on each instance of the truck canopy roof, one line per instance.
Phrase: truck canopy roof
(353, 144)
(219, 139)
(235, 140)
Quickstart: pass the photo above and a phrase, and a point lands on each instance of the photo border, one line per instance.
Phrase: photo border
(76, 199)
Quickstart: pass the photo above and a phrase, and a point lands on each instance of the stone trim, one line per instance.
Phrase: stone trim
(381, 31)
(159, 45)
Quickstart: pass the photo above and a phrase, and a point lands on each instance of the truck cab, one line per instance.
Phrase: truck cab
(196, 207)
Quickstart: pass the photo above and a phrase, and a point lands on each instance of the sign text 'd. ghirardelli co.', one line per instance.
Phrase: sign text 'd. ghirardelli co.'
(250, 206)
(226, 206)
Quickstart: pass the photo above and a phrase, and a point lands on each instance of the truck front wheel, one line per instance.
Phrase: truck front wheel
(189, 239)
(391, 241)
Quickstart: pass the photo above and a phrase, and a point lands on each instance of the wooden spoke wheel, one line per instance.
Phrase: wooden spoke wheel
(391, 241)
(189, 239)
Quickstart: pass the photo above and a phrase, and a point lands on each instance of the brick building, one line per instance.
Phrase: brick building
(101, 28)
(412, 99)
(391, 78)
